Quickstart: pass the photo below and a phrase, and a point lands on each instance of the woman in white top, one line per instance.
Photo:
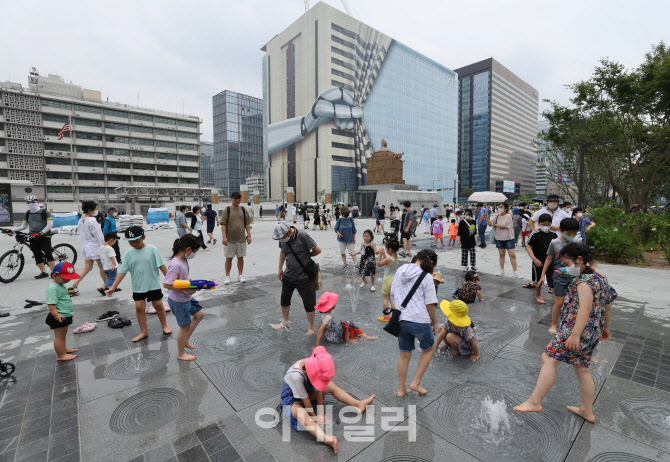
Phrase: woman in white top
(197, 228)
(503, 226)
(90, 235)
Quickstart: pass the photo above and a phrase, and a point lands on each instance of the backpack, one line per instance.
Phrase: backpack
(43, 212)
(244, 214)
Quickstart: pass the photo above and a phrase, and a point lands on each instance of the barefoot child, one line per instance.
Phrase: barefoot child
(108, 257)
(537, 247)
(336, 331)
(584, 322)
(438, 229)
(470, 290)
(60, 308)
(390, 263)
(453, 232)
(459, 330)
(368, 265)
(181, 302)
(304, 385)
(143, 261)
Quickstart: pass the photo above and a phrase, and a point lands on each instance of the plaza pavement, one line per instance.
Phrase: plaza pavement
(121, 401)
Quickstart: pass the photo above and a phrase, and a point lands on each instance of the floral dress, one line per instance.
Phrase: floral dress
(466, 334)
(368, 265)
(602, 296)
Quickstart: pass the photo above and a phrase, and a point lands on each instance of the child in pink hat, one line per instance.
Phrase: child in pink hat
(302, 392)
(334, 331)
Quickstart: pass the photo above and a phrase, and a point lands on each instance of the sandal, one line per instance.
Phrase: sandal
(528, 286)
(125, 321)
(115, 323)
(102, 291)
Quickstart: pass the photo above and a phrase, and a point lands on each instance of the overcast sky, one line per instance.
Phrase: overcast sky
(184, 52)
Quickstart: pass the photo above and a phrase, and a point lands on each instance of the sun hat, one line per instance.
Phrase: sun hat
(456, 312)
(65, 270)
(280, 230)
(133, 233)
(345, 209)
(320, 368)
(326, 302)
(437, 276)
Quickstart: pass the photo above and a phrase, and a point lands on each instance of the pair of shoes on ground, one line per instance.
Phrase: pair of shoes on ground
(118, 323)
(152, 310)
(107, 316)
(103, 291)
(86, 327)
(363, 284)
(472, 268)
(241, 279)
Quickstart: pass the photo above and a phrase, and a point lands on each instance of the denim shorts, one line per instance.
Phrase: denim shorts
(561, 286)
(414, 330)
(184, 310)
(508, 244)
(111, 275)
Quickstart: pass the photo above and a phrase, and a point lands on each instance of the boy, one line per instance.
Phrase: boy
(60, 308)
(438, 229)
(467, 228)
(584, 223)
(537, 247)
(453, 232)
(569, 228)
(143, 262)
(108, 257)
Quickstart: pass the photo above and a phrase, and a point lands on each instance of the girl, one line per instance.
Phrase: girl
(302, 392)
(333, 331)
(390, 264)
(90, 235)
(459, 331)
(317, 219)
(181, 302)
(584, 322)
(197, 227)
(326, 215)
(525, 230)
(471, 289)
(368, 265)
(426, 221)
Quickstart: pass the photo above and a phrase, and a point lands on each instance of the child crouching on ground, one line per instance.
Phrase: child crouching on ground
(302, 392)
(459, 331)
(334, 331)
(60, 308)
(181, 301)
(108, 257)
(471, 290)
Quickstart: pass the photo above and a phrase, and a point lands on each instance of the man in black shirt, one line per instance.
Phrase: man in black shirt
(381, 215)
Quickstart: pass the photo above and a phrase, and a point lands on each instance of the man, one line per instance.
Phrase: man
(567, 208)
(406, 227)
(235, 221)
(109, 226)
(375, 214)
(448, 211)
(557, 214)
(305, 215)
(212, 218)
(433, 216)
(293, 213)
(39, 222)
(295, 249)
(584, 223)
(180, 221)
(381, 216)
(482, 224)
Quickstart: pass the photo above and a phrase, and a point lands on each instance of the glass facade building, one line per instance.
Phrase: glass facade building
(206, 164)
(480, 131)
(238, 139)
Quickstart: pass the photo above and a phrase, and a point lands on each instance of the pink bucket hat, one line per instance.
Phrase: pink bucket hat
(320, 368)
(326, 302)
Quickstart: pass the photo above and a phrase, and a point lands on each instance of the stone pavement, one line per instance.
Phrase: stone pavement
(120, 401)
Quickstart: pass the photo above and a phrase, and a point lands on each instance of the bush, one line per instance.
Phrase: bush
(608, 216)
(614, 244)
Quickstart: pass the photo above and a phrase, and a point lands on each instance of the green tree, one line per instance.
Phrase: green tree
(467, 192)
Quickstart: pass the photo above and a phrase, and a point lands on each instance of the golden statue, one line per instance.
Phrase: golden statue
(385, 166)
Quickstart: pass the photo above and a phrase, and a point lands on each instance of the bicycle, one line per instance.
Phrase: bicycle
(12, 261)
(6, 369)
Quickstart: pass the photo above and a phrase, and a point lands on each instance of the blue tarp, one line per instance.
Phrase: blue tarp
(158, 215)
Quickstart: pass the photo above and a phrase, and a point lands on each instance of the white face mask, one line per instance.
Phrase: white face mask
(285, 239)
(95, 214)
(190, 256)
(552, 205)
(34, 207)
(574, 270)
(580, 214)
(501, 210)
(545, 229)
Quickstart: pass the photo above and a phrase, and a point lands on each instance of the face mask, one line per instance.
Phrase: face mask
(545, 229)
(552, 205)
(285, 239)
(346, 215)
(34, 207)
(568, 238)
(574, 270)
(190, 256)
(580, 214)
(501, 210)
(95, 214)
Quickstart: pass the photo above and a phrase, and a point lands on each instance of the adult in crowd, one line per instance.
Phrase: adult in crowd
(482, 224)
(345, 228)
(39, 222)
(198, 227)
(294, 212)
(375, 215)
(381, 216)
(305, 215)
(277, 212)
(180, 221)
(567, 208)
(406, 227)
(317, 218)
(447, 211)
(212, 220)
(296, 248)
(91, 238)
(584, 223)
(557, 214)
(235, 235)
(517, 221)
(354, 212)
(433, 216)
(109, 226)
(504, 233)
(417, 319)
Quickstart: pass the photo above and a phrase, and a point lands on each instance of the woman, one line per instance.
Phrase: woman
(90, 235)
(503, 227)
(346, 236)
(317, 218)
(354, 212)
(417, 318)
(197, 227)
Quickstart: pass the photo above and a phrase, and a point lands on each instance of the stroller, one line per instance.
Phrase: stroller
(392, 233)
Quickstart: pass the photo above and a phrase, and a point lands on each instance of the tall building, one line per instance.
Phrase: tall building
(548, 172)
(206, 164)
(238, 140)
(498, 115)
(108, 145)
(256, 182)
(333, 87)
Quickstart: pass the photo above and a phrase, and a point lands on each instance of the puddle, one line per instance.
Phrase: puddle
(652, 414)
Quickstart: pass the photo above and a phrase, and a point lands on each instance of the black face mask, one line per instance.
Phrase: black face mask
(345, 215)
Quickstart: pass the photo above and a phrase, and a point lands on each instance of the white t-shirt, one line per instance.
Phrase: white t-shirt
(556, 217)
(106, 254)
(415, 311)
(295, 378)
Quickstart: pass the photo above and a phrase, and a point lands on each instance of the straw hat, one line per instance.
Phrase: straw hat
(437, 276)
(456, 312)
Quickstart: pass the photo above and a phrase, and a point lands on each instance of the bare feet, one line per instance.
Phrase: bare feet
(527, 406)
(552, 329)
(280, 326)
(454, 352)
(140, 337)
(364, 403)
(332, 442)
(71, 350)
(588, 416)
(186, 357)
(190, 346)
(167, 331)
(402, 391)
(418, 388)
(65, 357)
(540, 300)
(309, 332)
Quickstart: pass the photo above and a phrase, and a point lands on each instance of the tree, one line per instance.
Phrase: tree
(467, 192)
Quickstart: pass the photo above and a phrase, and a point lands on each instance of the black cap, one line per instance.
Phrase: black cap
(236, 195)
(133, 233)
(552, 197)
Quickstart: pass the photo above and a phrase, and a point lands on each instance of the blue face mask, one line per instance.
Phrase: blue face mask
(568, 238)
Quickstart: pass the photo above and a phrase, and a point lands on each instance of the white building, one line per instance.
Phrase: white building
(256, 182)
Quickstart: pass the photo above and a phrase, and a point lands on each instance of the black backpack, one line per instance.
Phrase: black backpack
(43, 212)
(244, 214)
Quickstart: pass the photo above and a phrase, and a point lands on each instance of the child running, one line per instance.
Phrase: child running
(438, 230)
(181, 301)
(537, 248)
(61, 310)
(390, 264)
(459, 331)
(453, 232)
(108, 257)
(143, 261)
(471, 290)
(334, 331)
(368, 266)
(585, 320)
(302, 392)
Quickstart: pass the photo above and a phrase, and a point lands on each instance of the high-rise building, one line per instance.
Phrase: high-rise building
(108, 145)
(334, 87)
(548, 171)
(256, 182)
(206, 164)
(498, 115)
(238, 140)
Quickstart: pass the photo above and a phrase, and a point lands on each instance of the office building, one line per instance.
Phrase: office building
(238, 140)
(109, 145)
(206, 164)
(497, 131)
(256, 182)
(334, 87)
(548, 173)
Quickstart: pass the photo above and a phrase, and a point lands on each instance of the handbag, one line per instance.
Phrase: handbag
(393, 326)
(312, 270)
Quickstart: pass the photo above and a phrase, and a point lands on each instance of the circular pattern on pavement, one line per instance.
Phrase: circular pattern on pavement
(146, 411)
(652, 414)
(619, 457)
(137, 364)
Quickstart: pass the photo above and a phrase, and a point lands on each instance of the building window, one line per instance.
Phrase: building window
(88, 136)
(113, 113)
(54, 132)
(188, 159)
(188, 147)
(184, 123)
(115, 126)
(55, 118)
(89, 149)
(343, 159)
(168, 168)
(145, 155)
(337, 131)
(166, 144)
(342, 146)
(142, 141)
(90, 163)
(117, 139)
(163, 120)
(342, 74)
(118, 152)
(90, 190)
(163, 132)
(191, 136)
(162, 155)
(123, 178)
(344, 31)
(56, 147)
(91, 109)
(145, 117)
(144, 179)
(188, 169)
(117, 165)
(340, 52)
(56, 104)
(343, 42)
(88, 122)
(57, 161)
(138, 129)
(339, 62)
(60, 175)
(143, 167)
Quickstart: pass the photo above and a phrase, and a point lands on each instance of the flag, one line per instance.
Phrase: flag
(64, 130)
(560, 177)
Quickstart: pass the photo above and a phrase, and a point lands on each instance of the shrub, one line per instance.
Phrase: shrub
(608, 216)
(615, 245)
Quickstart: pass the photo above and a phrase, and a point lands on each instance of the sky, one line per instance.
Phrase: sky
(175, 55)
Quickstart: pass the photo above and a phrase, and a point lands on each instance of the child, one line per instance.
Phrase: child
(368, 266)
(537, 247)
(143, 262)
(471, 289)
(459, 331)
(569, 228)
(60, 308)
(108, 257)
(181, 302)
(585, 319)
(438, 229)
(390, 264)
(302, 392)
(467, 240)
(525, 230)
(437, 280)
(333, 331)
(425, 217)
(453, 232)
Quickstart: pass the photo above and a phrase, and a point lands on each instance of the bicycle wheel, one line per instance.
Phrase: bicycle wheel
(6, 369)
(11, 265)
(64, 252)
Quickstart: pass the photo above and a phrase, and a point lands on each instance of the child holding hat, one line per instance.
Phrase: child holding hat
(334, 331)
(459, 330)
(302, 392)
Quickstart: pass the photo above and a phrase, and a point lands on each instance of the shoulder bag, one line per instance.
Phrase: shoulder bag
(393, 326)
(312, 270)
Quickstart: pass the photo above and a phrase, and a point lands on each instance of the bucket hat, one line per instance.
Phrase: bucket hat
(320, 368)
(456, 312)
(326, 302)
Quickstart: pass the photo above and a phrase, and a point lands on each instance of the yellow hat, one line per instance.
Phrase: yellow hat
(456, 312)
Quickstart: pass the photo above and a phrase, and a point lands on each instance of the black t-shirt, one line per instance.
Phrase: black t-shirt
(466, 233)
(381, 213)
(539, 243)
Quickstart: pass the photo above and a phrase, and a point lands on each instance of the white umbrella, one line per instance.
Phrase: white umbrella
(487, 196)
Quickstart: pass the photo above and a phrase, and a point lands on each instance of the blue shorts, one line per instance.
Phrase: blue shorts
(561, 286)
(184, 310)
(413, 330)
(509, 244)
(111, 275)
